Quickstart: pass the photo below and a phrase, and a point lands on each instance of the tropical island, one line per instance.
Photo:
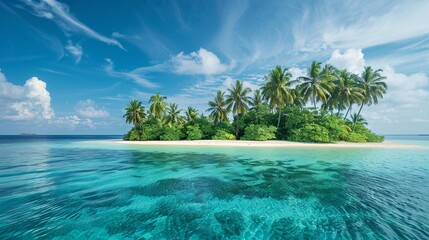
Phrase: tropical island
(316, 108)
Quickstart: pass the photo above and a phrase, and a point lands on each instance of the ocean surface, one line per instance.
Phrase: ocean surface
(82, 187)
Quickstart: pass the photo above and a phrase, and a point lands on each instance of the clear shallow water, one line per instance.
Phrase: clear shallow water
(56, 188)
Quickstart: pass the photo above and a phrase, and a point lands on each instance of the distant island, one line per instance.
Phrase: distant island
(277, 111)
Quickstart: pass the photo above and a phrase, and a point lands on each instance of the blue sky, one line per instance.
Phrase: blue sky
(70, 67)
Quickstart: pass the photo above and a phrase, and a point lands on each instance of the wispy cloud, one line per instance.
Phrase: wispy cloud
(60, 14)
(295, 32)
(54, 71)
(137, 75)
(75, 50)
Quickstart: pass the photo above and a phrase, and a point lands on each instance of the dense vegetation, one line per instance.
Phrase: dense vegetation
(276, 111)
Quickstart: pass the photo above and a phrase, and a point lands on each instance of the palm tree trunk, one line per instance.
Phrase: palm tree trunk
(237, 127)
(354, 124)
(347, 113)
(314, 101)
(280, 114)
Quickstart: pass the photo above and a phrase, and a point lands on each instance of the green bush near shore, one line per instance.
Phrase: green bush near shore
(223, 135)
(259, 132)
(300, 125)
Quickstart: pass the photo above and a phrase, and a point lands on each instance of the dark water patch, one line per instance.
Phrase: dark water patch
(285, 228)
(232, 222)
(172, 186)
(129, 222)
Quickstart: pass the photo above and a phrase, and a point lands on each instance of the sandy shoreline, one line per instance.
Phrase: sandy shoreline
(275, 144)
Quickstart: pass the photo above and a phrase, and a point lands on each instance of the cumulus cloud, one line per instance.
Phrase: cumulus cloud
(60, 14)
(75, 50)
(351, 59)
(200, 62)
(88, 109)
(28, 102)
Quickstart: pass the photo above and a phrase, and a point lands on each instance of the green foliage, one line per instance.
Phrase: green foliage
(223, 135)
(193, 132)
(369, 135)
(259, 132)
(151, 130)
(337, 128)
(205, 126)
(355, 137)
(259, 115)
(170, 134)
(135, 113)
(132, 135)
(310, 133)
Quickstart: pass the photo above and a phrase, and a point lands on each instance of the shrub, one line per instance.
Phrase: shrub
(151, 131)
(369, 135)
(170, 134)
(206, 127)
(223, 135)
(132, 135)
(337, 128)
(193, 132)
(259, 132)
(259, 115)
(310, 133)
(355, 137)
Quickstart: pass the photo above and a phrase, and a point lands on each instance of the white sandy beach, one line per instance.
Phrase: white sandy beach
(274, 143)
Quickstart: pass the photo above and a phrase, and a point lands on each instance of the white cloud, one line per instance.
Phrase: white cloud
(72, 122)
(75, 50)
(88, 109)
(351, 59)
(29, 102)
(407, 91)
(390, 23)
(345, 24)
(297, 72)
(201, 62)
(137, 75)
(60, 14)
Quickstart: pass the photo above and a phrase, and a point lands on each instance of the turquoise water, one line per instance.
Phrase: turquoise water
(69, 188)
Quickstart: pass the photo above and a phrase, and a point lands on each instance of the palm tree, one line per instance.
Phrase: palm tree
(317, 84)
(191, 114)
(238, 100)
(218, 108)
(158, 104)
(277, 89)
(173, 114)
(373, 86)
(355, 118)
(257, 99)
(347, 91)
(135, 113)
